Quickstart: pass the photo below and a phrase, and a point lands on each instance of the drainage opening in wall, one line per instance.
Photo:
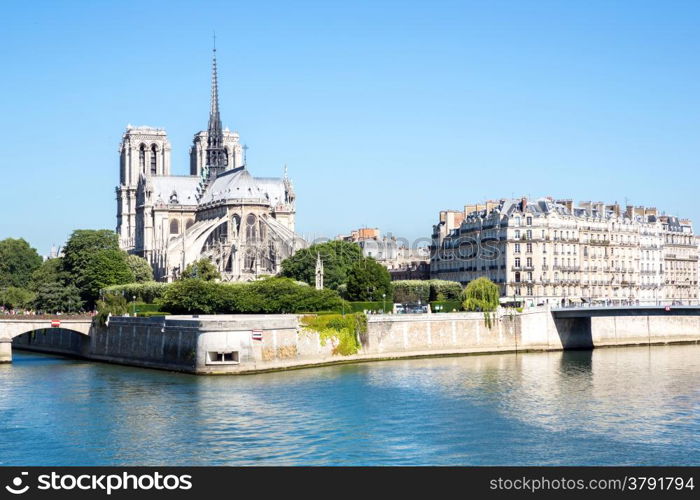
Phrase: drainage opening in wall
(222, 357)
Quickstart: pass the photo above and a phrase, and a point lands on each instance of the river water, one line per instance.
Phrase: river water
(618, 406)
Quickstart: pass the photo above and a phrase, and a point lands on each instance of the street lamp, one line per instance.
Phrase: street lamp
(133, 304)
(383, 303)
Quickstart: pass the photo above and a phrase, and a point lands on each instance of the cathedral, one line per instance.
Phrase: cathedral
(243, 224)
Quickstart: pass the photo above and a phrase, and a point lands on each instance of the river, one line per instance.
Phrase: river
(615, 406)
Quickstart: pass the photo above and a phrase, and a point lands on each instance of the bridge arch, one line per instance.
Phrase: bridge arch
(55, 331)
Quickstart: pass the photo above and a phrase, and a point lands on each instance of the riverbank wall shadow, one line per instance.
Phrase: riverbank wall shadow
(574, 333)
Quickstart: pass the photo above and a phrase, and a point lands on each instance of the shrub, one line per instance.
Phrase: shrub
(272, 295)
(147, 292)
(445, 290)
(115, 305)
(412, 291)
(202, 269)
(343, 331)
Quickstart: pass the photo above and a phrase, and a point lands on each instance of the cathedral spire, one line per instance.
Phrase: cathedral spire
(216, 155)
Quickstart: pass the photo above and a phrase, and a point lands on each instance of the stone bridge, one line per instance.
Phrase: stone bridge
(11, 328)
(586, 327)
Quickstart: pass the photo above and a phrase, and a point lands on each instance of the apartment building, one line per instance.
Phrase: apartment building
(550, 251)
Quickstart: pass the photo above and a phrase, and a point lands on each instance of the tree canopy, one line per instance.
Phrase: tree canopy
(18, 260)
(56, 297)
(16, 298)
(49, 272)
(102, 269)
(338, 257)
(202, 269)
(368, 280)
(481, 294)
(92, 261)
(82, 244)
(140, 267)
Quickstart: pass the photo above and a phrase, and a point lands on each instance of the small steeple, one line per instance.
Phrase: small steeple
(216, 155)
(319, 272)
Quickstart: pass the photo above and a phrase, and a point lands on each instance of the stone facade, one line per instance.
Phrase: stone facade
(551, 252)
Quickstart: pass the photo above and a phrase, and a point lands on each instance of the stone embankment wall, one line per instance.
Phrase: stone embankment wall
(254, 343)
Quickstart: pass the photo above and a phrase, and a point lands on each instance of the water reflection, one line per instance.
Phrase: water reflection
(608, 406)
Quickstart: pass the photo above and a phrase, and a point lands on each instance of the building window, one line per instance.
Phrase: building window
(142, 158)
(529, 248)
(517, 248)
(174, 226)
(529, 234)
(529, 291)
(529, 221)
(529, 276)
(517, 234)
(517, 221)
(517, 262)
(529, 262)
(251, 229)
(154, 156)
(517, 278)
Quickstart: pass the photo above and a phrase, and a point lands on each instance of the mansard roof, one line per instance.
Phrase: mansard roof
(238, 184)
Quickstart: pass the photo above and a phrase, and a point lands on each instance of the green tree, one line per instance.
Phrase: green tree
(102, 269)
(49, 272)
(56, 297)
(16, 298)
(92, 261)
(481, 294)
(18, 261)
(202, 269)
(140, 268)
(115, 305)
(82, 244)
(368, 280)
(338, 257)
(192, 296)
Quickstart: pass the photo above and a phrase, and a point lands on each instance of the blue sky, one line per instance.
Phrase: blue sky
(385, 112)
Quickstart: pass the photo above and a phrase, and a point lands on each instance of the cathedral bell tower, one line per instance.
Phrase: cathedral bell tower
(144, 151)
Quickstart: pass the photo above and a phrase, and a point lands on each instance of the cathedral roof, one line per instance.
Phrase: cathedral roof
(238, 184)
(175, 189)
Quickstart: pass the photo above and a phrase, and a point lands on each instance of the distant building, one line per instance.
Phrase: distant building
(550, 251)
(402, 261)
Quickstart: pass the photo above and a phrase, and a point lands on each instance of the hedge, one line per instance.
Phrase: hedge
(272, 295)
(412, 291)
(371, 306)
(446, 305)
(147, 292)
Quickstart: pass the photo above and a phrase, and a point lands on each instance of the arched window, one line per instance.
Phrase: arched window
(142, 158)
(249, 263)
(174, 226)
(225, 157)
(154, 155)
(236, 224)
(251, 229)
